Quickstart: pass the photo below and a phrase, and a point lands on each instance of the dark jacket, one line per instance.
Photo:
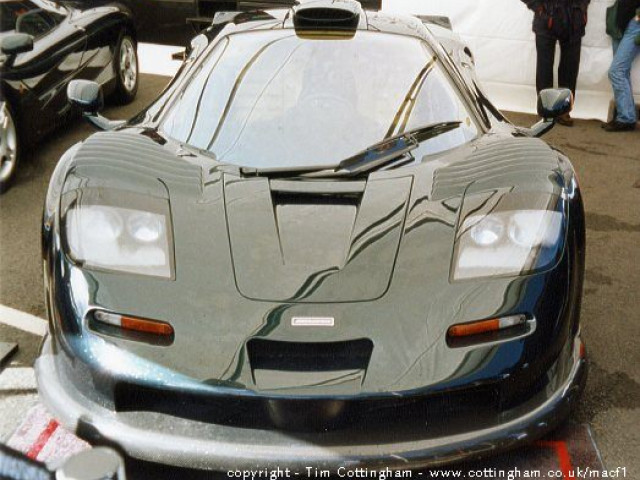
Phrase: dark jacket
(627, 9)
(561, 19)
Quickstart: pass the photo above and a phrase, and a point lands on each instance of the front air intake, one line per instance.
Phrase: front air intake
(282, 356)
(327, 15)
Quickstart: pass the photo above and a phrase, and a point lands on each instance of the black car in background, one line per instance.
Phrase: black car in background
(45, 45)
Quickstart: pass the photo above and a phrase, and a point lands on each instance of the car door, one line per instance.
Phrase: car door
(102, 26)
(46, 70)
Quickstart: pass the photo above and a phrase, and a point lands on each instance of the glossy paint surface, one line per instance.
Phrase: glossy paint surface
(371, 256)
(381, 270)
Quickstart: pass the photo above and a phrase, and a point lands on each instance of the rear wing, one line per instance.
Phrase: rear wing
(266, 4)
(217, 12)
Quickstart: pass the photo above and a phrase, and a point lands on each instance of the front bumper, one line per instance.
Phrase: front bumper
(187, 443)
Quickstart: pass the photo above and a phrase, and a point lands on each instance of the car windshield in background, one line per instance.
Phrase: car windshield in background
(25, 16)
(275, 99)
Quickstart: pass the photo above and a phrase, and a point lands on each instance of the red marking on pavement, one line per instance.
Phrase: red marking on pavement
(562, 452)
(42, 439)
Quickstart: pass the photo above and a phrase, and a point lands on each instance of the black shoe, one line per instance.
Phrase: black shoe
(565, 120)
(616, 126)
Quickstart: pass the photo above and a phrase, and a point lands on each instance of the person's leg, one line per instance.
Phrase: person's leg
(615, 43)
(569, 64)
(546, 52)
(620, 75)
(568, 71)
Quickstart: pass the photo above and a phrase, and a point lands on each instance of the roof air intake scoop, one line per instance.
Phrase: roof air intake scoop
(327, 15)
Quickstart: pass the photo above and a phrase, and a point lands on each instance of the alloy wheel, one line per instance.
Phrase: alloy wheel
(8, 143)
(128, 64)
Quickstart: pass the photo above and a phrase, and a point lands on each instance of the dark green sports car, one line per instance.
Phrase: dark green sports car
(320, 246)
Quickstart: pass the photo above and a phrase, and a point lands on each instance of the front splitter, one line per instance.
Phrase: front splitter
(186, 443)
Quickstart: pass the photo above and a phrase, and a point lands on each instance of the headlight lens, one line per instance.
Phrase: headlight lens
(118, 238)
(508, 242)
(146, 227)
(487, 231)
(98, 224)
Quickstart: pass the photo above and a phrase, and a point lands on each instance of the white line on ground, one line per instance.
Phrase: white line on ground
(14, 408)
(23, 321)
(18, 378)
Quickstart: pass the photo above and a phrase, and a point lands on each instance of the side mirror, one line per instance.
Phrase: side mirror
(12, 45)
(552, 103)
(87, 96)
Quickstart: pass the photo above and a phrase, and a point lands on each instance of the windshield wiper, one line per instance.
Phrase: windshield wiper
(376, 156)
(394, 148)
(388, 150)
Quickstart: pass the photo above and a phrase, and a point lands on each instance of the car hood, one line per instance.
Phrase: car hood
(314, 241)
(253, 254)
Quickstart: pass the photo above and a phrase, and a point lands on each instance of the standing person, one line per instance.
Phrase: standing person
(626, 47)
(564, 22)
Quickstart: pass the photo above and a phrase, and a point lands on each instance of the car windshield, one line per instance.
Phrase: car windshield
(277, 99)
(25, 16)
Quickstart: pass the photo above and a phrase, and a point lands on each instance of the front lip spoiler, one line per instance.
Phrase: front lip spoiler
(220, 450)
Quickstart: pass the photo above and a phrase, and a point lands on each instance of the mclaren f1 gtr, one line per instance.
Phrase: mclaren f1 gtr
(322, 245)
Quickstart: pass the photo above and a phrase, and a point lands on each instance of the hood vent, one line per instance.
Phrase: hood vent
(316, 193)
(315, 242)
(327, 15)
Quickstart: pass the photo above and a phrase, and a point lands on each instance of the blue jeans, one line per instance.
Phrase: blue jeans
(624, 52)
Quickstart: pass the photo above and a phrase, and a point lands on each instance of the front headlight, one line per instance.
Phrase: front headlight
(132, 239)
(503, 234)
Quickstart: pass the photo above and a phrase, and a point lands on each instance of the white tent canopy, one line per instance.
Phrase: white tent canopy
(499, 34)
